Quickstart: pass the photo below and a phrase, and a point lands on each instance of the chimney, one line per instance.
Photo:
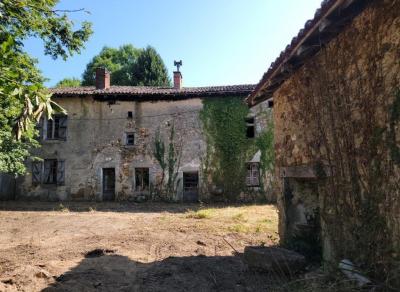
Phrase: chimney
(102, 78)
(177, 80)
(177, 75)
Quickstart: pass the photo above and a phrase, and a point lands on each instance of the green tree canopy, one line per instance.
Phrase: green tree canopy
(129, 66)
(69, 82)
(117, 61)
(23, 98)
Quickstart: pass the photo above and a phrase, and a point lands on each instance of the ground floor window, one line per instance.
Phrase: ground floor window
(190, 181)
(142, 179)
(48, 171)
(253, 174)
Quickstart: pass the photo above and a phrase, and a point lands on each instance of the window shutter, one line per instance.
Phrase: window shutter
(36, 172)
(61, 172)
(63, 127)
(47, 171)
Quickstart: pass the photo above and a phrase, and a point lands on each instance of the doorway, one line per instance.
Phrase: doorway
(190, 186)
(108, 184)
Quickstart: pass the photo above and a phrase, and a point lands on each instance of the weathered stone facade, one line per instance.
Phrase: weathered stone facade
(96, 140)
(336, 135)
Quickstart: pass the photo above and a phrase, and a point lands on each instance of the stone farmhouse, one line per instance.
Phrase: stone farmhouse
(103, 148)
(336, 97)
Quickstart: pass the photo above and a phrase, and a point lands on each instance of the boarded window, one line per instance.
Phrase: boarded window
(37, 172)
(141, 179)
(130, 139)
(250, 127)
(57, 128)
(253, 174)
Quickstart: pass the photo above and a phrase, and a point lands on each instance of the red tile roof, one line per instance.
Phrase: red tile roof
(154, 92)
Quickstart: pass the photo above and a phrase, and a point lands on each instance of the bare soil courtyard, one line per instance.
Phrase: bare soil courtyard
(131, 247)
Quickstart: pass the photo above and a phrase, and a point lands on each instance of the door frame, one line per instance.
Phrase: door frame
(103, 192)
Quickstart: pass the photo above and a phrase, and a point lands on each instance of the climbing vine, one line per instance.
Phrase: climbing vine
(224, 128)
(265, 143)
(168, 156)
(228, 148)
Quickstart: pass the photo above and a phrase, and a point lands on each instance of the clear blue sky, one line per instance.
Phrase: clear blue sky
(221, 42)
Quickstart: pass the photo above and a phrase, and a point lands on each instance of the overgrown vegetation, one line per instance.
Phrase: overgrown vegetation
(265, 143)
(228, 148)
(168, 156)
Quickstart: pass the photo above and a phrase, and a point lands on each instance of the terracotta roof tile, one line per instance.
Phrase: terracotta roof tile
(148, 91)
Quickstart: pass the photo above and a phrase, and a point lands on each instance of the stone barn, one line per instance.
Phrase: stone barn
(103, 148)
(335, 91)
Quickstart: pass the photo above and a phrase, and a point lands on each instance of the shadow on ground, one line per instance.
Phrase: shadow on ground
(129, 207)
(111, 272)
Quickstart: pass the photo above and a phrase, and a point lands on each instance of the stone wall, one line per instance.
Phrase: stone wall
(96, 140)
(335, 134)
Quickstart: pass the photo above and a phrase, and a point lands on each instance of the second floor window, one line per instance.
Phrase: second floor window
(250, 127)
(56, 128)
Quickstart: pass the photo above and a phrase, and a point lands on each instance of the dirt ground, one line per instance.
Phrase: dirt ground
(131, 247)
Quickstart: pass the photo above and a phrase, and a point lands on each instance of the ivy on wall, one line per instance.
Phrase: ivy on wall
(228, 148)
(168, 155)
(225, 132)
(265, 143)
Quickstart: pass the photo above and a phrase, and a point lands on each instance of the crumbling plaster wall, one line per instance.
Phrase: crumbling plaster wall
(96, 140)
(293, 136)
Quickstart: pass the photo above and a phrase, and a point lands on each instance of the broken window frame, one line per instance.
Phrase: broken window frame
(142, 179)
(253, 174)
(56, 128)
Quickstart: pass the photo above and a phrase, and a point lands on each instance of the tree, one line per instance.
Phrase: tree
(69, 82)
(150, 70)
(129, 66)
(23, 98)
(117, 61)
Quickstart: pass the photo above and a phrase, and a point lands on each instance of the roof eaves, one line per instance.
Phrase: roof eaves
(280, 70)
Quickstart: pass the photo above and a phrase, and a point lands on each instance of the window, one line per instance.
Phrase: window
(56, 128)
(250, 128)
(141, 179)
(130, 115)
(190, 181)
(253, 174)
(50, 171)
(130, 139)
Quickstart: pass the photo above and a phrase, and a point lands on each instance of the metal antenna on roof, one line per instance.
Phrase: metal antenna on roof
(178, 64)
